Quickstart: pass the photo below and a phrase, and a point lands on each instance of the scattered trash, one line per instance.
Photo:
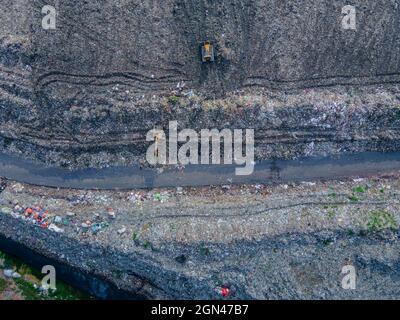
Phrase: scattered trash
(35, 215)
(53, 227)
(180, 86)
(86, 224)
(137, 198)
(6, 210)
(308, 183)
(225, 292)
(111, 213)
(122, 230)
(179, 190)
(161, 197)
(96, 227)
(157, 197)
(57, 219)
(42, 218)
(189, 94)
(17, 187)
(9, 273)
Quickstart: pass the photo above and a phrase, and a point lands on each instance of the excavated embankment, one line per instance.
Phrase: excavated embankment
(86, 93)
(261, 242)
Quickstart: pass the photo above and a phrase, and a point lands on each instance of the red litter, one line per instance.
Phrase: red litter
(225, 291)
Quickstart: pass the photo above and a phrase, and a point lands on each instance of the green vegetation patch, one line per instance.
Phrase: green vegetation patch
(28, 290)
(29, 283)
(360, 189)
(173, 99)
(381, 220)
(3, 285)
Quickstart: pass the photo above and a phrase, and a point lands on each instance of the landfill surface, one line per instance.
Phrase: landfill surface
(260, 242)
(84, 96)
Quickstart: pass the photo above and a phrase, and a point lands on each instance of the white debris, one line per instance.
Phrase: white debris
(122, 230)
(111, 213)
(308, 183)
(54, 228)
(17, 187)
(9, 273)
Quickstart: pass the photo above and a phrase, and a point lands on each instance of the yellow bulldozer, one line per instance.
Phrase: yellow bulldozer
(207, 52)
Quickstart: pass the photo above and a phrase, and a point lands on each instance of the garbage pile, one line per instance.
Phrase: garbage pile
(44, 219)
(140, 197)
(35, 215)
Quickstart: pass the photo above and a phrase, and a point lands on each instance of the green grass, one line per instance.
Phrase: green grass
(331, 214)
(360, 189)
(353, 198)
(332, 193)
(173, 100)
(66, 292)
(27, 288)
(357, 191)
(381, 220)
(3, 285)
(147, 245)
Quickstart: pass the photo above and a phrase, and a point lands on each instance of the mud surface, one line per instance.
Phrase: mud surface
(266, 172)
(149, 46)
(85, 94)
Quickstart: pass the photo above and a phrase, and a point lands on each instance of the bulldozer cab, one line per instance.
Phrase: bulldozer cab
(207, 52)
